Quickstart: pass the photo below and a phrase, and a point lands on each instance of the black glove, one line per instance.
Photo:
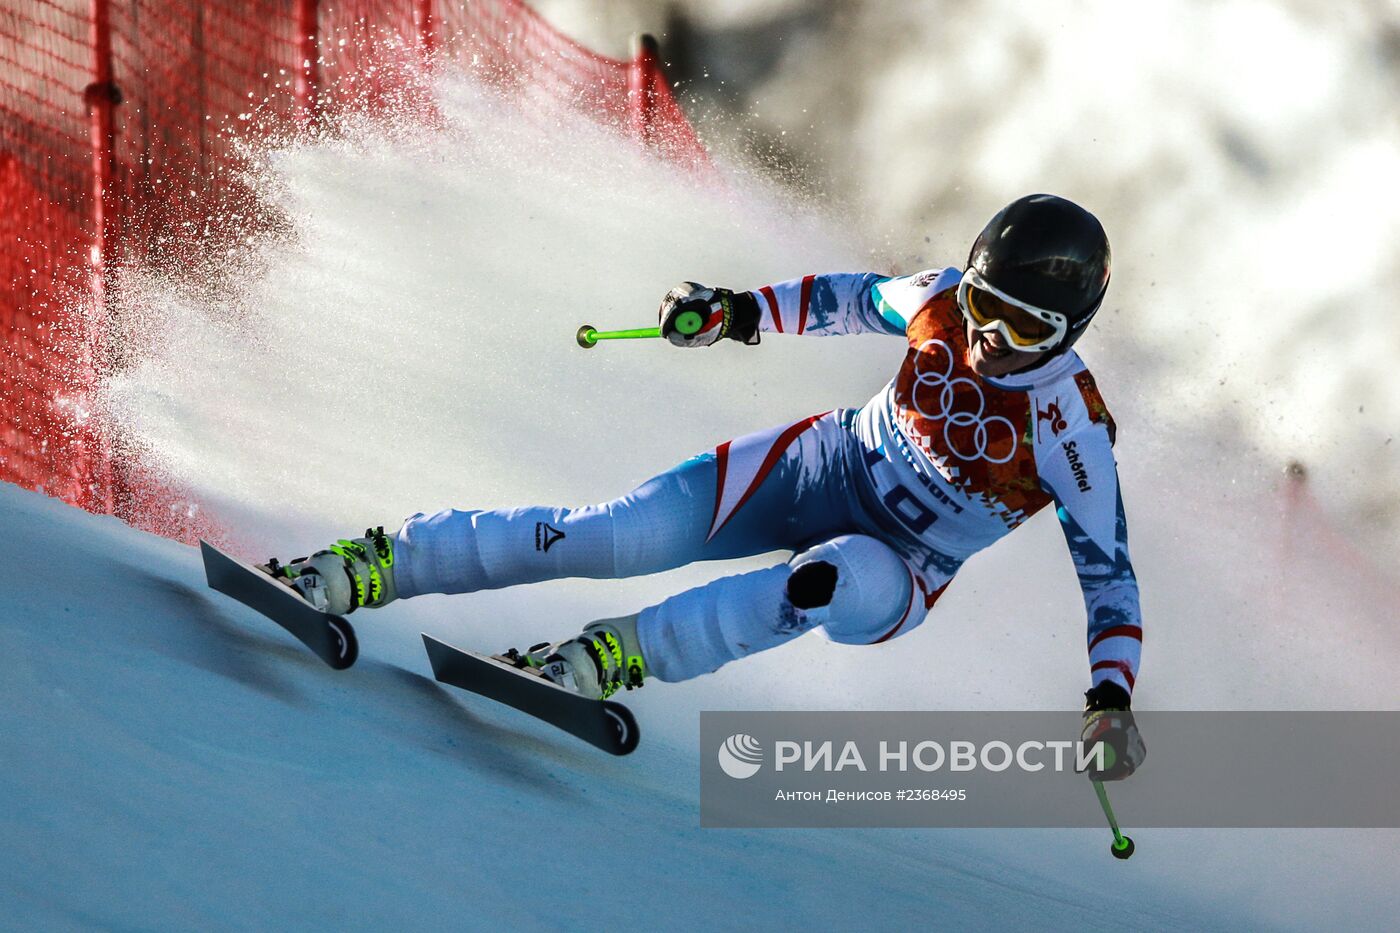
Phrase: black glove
(694, 315)
(1108, 718)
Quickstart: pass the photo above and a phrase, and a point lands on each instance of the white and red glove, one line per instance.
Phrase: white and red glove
(695, 315)
(1108, 718)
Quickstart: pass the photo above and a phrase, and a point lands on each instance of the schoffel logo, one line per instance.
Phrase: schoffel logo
(741, 756)
(1081, 475)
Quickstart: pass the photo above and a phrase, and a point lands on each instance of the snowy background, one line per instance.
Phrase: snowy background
(408, 345)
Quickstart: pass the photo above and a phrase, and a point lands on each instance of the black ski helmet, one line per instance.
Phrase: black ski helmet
(1047, 252)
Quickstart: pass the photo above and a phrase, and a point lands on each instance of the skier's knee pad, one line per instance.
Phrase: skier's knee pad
(857, 587)
(811, 584)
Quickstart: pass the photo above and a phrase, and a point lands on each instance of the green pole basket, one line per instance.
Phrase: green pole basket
(687, 323)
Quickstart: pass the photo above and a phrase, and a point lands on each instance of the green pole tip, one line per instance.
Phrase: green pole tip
(587, 336)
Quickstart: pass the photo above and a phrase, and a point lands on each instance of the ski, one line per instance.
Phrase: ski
(603, 723)
(329, 636)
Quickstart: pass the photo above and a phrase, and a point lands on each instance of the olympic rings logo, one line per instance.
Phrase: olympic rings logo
(939, 397)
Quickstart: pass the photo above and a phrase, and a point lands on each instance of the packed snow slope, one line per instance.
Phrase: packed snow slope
(169, 759)
(408, 345)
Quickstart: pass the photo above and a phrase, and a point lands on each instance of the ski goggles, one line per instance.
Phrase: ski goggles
(1025, 327)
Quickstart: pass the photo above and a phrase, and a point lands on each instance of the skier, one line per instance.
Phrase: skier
(991, 417)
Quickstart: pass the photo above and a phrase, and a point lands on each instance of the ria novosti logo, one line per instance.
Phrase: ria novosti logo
(741, 756)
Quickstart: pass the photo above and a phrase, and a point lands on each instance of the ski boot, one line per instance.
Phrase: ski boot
(596, 664)
(345, 576)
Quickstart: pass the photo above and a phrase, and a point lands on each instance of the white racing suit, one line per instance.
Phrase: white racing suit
(892, 497)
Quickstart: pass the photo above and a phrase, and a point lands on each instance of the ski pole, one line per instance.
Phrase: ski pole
(1122, 846)
(688, 322)
(588, 336)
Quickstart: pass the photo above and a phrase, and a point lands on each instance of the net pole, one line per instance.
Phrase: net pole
(642, 74)
(101, 97)
(306, 15)
(423, 22)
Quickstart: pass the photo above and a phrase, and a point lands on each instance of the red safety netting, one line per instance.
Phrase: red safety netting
(512, 43)
(120, 123)
(45, 280)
